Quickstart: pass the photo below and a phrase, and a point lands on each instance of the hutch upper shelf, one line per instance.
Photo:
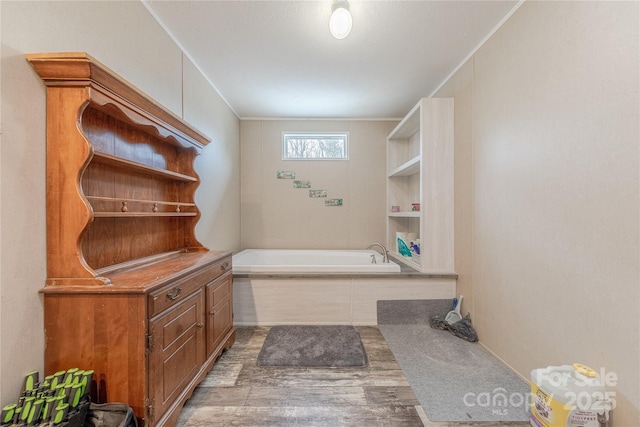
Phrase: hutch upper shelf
(120, 177)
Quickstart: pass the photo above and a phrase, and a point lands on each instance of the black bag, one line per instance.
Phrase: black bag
(111, 415)
(462, 328)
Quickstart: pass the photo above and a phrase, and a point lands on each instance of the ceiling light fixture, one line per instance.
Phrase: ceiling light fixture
(340, 21)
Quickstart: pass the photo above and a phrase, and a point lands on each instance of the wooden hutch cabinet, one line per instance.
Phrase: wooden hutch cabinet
(130, 292)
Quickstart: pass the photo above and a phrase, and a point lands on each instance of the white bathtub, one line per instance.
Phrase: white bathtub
(283, 261)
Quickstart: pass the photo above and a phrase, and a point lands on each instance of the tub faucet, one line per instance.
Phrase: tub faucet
(385, 252)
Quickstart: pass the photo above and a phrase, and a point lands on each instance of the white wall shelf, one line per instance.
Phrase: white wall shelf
(410, 214)
(406, 169)
(420, 170)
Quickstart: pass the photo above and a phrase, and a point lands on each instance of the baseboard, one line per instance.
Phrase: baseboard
(511, 368)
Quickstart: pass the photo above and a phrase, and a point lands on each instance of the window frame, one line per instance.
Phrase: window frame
(311, 135)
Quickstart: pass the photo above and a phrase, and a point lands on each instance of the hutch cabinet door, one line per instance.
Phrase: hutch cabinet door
(176, 352)
(219, 311)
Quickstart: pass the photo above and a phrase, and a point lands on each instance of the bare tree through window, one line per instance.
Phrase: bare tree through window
(315, 146)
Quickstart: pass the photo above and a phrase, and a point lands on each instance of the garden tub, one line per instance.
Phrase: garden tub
(284, 261)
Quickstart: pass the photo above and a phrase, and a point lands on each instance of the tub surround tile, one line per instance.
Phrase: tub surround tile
(339, 300)
(291, 302)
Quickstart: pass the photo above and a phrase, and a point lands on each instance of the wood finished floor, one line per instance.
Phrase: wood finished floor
(239, 393)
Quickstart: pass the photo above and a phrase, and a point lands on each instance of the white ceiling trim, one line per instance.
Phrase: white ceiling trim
(186, 53)
(477, 48)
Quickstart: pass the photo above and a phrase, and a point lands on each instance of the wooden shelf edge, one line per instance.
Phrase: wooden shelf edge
(60, 282)
(157, 202)
(142, 214)
(81, 69)
(153, 259)
(108, 159)
(158, 270)
(106, 280)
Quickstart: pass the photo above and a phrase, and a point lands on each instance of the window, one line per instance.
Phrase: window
(315, 146)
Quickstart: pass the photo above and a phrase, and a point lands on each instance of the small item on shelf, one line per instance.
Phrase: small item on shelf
(395, 208)
(415, 207)
(414, 243)
(124, 207)
(400, 236)
(403, 248)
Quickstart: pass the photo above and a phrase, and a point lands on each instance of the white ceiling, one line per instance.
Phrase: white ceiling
(277, 59)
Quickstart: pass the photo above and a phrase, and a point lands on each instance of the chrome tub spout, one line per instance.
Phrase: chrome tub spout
(384, 251)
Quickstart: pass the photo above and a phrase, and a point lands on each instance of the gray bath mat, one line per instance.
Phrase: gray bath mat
(454, 380)
(333, 346)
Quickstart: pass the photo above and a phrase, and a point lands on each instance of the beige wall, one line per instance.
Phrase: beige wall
(218, 196)
(547, 201)
(275, 215)
(126, 38)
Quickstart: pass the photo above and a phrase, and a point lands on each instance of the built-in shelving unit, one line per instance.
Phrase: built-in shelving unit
(420, 186)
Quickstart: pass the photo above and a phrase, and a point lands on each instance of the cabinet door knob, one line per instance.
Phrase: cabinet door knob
(200, 325)
(224, 265)
(213, 313)
(174, 293)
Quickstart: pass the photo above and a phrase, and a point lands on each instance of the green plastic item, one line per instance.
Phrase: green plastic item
(60, 413)
(7, 413)
(30, 380)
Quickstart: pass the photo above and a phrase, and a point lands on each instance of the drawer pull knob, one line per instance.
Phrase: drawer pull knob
(213, 313)
(200, 325)
(174, 293)
(224, 266)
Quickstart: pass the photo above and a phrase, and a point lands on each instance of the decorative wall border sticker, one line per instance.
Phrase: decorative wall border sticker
(317, 193)
(301, 184)
(286, 175)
